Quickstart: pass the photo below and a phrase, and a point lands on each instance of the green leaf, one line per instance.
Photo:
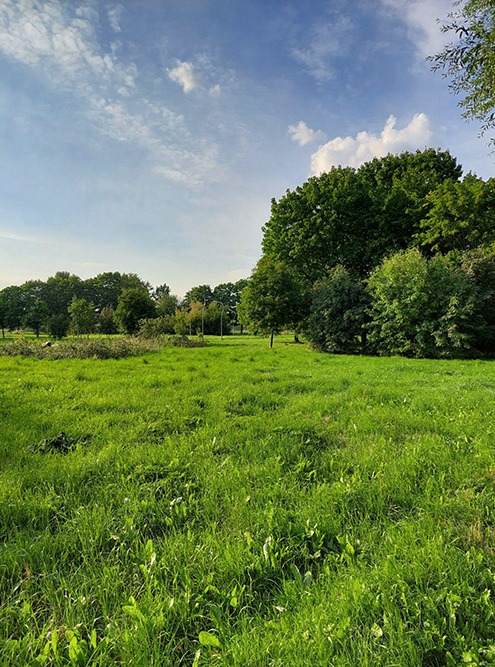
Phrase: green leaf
(207, 639)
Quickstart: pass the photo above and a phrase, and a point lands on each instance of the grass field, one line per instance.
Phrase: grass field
(235, 505)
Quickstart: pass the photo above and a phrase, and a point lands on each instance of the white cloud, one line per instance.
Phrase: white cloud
(184, 75)
(353, 152)
(215, 91)
(327, 41)
(303, 134)
(421, 16)
(114, 14)
(59, 42)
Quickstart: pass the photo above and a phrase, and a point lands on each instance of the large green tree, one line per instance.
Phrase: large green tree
(469, 60)
(355, 217)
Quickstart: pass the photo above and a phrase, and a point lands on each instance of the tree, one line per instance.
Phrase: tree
(36, 316)
(106, 321)
(461, 215)
(339, 313)
(202, 293)
(230, 295)
(273, 299)
(4, 309)
(355, 217)
(82, 315)
(60, 291)
(134, 305)
(469, 62)
(106, 288)
(58, 326)
(15, 298)
(167, 304)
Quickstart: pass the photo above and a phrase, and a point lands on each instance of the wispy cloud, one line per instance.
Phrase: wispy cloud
(420, 17)
(354, 151)
(303, 134)
(183, 74)
(325, 42)
(114, 14)
(59, 41)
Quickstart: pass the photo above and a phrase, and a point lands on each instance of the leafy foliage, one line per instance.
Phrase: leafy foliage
(469, 62)
(201, 293)
(338, 313)
(461, 215)
(58, 326)
(422, 308)
(273, 299)
(134, 305)
(355, 217)
(82, 316)
(106, 321)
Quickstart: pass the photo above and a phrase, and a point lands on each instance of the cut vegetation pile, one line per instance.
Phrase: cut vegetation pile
(234, 505)
(88, 348)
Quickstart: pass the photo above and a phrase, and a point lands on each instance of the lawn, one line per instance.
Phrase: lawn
(235, 505)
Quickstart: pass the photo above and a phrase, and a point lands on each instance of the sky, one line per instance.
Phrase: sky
(149, 136)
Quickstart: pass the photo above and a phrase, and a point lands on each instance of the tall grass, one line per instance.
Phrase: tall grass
(233, 505)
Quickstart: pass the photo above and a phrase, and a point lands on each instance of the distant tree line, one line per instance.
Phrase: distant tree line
(396, 257)
(113, 302)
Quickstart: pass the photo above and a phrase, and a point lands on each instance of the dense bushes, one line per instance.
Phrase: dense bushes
(412, 306)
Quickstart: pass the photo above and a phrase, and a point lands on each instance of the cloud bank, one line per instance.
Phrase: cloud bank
(354, 151)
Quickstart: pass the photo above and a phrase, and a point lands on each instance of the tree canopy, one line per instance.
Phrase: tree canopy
(354, 217)
(273, 299)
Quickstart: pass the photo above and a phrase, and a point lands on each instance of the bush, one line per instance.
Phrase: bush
(156, 327)
(338, 313)
(423, 308)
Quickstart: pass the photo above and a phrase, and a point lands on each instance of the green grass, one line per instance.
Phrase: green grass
(235, 505)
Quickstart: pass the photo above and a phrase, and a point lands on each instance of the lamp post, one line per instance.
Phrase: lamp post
(203, 323)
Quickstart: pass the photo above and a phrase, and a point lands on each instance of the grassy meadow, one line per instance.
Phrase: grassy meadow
(235, 505)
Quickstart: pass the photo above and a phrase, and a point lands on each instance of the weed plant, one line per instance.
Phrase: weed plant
(240, 506)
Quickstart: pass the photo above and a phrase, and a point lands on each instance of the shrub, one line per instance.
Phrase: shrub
(422, 308)
(156, 327)
(338, 313)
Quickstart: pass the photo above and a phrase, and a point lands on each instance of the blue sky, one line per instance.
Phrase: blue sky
(149, 136)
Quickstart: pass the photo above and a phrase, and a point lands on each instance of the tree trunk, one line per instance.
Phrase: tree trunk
(271, 341)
